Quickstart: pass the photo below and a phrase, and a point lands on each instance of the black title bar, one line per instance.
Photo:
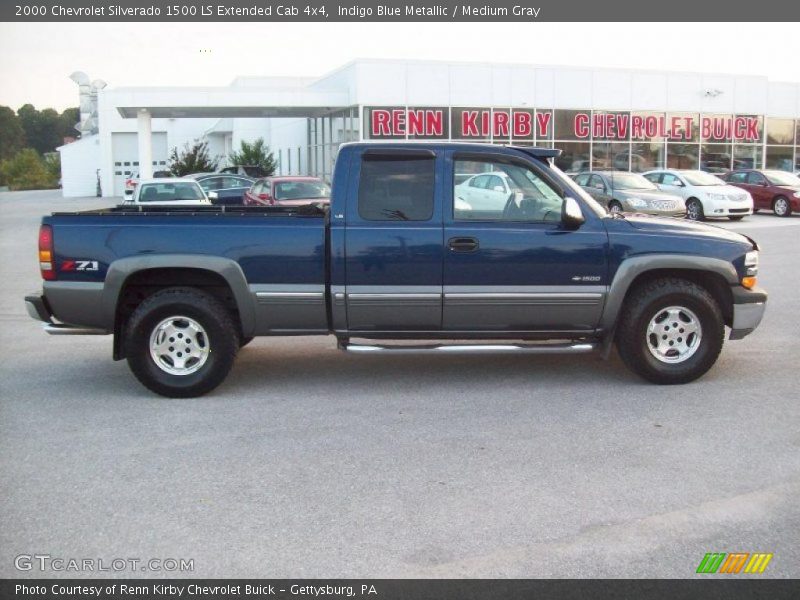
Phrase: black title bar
(732, 588)
(664, 14)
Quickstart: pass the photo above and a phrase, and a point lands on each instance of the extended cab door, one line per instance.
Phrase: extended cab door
(393, 241)
(517, 268)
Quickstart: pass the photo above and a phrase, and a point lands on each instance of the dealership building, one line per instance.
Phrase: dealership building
(599, 118)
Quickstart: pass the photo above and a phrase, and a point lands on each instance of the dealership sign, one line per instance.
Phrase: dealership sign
(434, 123)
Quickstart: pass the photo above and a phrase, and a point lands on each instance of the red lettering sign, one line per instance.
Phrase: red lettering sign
(380, 122)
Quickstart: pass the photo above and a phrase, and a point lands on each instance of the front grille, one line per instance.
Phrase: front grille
(738, 210)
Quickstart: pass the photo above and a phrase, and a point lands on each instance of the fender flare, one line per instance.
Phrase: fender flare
(120, 270)
(631, 268)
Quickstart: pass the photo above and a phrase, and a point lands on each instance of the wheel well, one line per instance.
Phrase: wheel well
(142, 284)
(714, 283)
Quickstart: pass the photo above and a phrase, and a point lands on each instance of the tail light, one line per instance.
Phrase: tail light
(46, 253)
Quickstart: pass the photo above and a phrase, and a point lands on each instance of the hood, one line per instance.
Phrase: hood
(683, 227)
(792, 189)
(649, 195)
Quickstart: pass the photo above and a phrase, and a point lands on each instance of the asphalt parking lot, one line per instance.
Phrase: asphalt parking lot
(311, 463)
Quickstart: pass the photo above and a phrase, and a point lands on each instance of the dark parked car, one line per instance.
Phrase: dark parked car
(288, 191)
(778, 191)
(253, 171)
(224, 189)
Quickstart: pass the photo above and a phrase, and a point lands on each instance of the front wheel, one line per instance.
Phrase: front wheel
(694, 210)
(614, 207)
(181, 342)
(671, 331)
(781, 207)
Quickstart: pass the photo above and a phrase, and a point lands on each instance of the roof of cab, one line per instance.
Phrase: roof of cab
(534, 151)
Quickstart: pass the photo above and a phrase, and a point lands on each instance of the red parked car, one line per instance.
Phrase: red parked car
(287, 191)
(774, 190)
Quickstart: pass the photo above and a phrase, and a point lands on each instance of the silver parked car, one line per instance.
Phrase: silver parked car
(620, 191)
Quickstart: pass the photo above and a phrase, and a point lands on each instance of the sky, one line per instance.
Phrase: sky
(36, 59)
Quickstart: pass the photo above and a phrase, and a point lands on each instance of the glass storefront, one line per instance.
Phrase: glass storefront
(606, 139)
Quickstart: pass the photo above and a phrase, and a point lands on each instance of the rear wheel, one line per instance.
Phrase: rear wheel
(781, 206)
(614, 207)
(181, 342)
(694, 210)
(671, 331)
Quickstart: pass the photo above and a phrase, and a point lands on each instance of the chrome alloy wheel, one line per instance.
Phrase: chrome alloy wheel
(674, 334)
(693, 211)
(781, 207)
(615, 208)
(179, 345)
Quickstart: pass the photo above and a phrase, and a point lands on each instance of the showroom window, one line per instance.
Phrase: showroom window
(575, 156)
(608, 156)
(780, 131)
(780, 157)
(393, 188)
(647, 156)
(683, 156)
(716, 158)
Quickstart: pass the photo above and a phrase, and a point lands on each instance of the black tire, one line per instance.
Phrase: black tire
(736, 218)
(781, 206)
(700, 215)
(244, 341)
(642, 306)
(615, 207)
(218, 325)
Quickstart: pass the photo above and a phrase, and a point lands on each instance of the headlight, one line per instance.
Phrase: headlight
(750, 269)
(637, 202)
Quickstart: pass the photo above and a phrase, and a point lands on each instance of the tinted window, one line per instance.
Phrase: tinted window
(756, 178)
(530, 198)
(654, 177)
(596, 182)
(395, 188)
(737, 177)
(670, 179)
(169, 192)
(582, 179)
(480, 181)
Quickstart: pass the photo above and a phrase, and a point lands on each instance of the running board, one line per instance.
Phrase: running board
(62, 329)
(472, 348)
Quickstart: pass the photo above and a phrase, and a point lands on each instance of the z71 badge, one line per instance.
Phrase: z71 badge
(80, 265)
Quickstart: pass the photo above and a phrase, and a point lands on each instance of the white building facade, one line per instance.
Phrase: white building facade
(599, 118)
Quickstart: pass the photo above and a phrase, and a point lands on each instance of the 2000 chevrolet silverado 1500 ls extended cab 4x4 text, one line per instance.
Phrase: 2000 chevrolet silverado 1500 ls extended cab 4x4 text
(399, 255)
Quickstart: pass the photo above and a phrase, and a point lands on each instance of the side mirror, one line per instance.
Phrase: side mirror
(571, 214)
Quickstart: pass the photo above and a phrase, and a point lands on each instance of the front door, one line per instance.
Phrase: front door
(393, 242)
(515, 268)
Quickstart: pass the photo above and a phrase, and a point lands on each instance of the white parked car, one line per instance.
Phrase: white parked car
(706, 195)
(485, 192)
(168, 191)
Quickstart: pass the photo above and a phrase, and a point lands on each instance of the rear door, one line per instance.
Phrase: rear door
(759, 189)
(393, 241)
(518, 269)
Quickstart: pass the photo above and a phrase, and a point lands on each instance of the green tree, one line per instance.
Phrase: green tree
(26, 170)
(42, 128)
(12, 135)
(194, 158)
(67, 121)
(255, 154)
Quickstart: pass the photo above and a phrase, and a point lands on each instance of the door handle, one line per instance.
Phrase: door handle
(463, 244)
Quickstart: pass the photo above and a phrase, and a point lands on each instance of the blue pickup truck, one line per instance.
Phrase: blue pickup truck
(405, 259)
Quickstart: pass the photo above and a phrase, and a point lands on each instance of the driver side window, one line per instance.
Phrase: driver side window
(525, 196)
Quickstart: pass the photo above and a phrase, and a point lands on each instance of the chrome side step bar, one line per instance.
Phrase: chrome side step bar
(542, 348)
(61, 329)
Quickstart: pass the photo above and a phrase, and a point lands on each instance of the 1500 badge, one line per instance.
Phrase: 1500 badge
(80, 265)
(586, 278)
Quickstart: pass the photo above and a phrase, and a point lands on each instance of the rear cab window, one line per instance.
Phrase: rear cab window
(396, 186)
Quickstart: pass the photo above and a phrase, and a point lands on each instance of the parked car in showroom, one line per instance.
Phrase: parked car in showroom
(778, 191)
(132, 181)
(223, 189)
(620, 191)
(484, 193)
(168, 191)
(706, 195)
(288, 191)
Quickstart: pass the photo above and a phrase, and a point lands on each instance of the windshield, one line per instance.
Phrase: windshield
(782, 178)
(578, 192)
(630, 181)
(701, 178)
(170, 192)
(301, 190)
